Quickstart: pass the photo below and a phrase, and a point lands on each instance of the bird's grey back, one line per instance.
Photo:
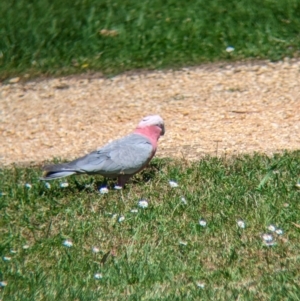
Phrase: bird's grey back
(126, 155)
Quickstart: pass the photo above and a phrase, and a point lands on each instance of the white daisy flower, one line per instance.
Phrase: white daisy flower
(118, 187)
(183, 243)
(13, 251)
(183, 200)
(200, 284)
(134, 211)
(3, 283)
(121, 219)
(27, 185)
(229, 49)
(64, 185)
(67, 243)
(47, 185)
(173, 184)
(98, 276)
(6, 258)
(298, 185)
(103, 190)
(95, 250)
(279, 231)
(267, 237)
(25, 247)
(202, 223)
(241, 224)
(268, 240)
(272, 228)
(143, 204)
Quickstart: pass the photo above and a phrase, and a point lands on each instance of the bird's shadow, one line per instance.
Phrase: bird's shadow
(150, 172)
(93, 184)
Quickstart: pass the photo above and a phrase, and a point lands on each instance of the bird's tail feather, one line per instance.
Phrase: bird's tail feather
(57, 171)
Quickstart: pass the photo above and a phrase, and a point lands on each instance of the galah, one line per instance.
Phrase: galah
(121, 158)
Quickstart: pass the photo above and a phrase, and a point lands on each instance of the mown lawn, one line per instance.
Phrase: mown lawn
(61, 37)
(203, 240)
(160, 252)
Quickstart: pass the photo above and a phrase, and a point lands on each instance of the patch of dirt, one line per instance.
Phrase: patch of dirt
(211, 109)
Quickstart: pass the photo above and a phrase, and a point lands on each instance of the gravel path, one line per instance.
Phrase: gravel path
(210, 109)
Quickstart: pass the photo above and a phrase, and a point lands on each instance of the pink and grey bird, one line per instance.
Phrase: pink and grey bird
(121, 158)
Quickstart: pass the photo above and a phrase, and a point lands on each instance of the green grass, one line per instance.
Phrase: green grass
(143, 258)
(60, 37)
(161, 252)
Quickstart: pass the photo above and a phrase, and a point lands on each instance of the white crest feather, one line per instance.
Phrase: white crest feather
(151, 120)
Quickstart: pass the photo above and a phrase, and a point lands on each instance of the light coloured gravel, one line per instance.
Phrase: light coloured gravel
(211, 109)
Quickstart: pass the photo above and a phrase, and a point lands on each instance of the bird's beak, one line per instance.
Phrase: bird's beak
(162, 130)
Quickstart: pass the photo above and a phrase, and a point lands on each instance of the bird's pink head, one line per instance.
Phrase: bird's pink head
(153, 121)
(152, 127)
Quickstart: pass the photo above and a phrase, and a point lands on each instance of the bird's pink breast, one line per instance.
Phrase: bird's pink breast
(152, 133)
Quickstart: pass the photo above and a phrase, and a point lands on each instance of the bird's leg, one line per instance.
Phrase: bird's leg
(123, 179)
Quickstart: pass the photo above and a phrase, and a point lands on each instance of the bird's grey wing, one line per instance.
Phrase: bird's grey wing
(132, 155)
(123, 156)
